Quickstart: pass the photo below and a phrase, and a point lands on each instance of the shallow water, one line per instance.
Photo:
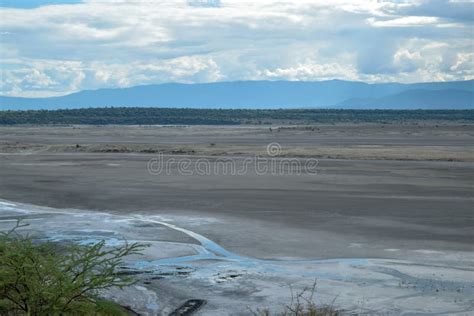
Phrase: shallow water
(185, 257)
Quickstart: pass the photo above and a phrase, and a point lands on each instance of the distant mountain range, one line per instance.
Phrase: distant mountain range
(265, 95)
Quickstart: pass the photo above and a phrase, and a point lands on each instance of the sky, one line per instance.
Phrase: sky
(50, 48)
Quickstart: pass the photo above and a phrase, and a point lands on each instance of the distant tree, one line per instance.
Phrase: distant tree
(145, 116)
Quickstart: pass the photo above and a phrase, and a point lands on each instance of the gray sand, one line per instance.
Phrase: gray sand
(418, 210)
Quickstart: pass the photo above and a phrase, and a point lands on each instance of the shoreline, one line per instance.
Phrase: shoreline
(213, 269)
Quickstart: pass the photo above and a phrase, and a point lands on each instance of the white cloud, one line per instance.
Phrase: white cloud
(311, 71)
(37, 77)
(59, 49)
(406, 21)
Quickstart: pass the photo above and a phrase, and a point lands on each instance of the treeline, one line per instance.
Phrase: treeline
(173, 116)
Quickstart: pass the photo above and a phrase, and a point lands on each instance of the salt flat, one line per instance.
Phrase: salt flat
(379, 232)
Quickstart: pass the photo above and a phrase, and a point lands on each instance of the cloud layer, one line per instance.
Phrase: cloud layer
(57, 49)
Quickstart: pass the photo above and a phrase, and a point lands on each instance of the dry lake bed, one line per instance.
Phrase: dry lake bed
(379, 215)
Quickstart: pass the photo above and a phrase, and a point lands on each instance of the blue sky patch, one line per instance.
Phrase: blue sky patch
(29, 4)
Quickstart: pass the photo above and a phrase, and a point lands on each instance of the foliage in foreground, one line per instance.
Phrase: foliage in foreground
(47, 279)
(301, 304)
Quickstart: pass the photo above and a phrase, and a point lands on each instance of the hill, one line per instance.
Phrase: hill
(414, 99)
(264, 95)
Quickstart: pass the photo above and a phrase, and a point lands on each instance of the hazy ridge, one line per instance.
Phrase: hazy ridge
(265, 94)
